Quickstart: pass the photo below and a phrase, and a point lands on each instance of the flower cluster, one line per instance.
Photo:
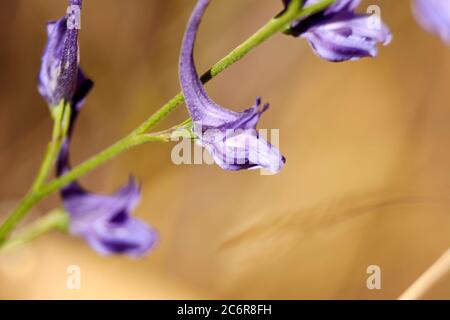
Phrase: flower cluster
(335, 33)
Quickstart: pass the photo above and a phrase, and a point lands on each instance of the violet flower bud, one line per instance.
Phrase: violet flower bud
(60, 61)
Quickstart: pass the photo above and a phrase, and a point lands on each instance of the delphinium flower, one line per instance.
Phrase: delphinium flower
(338, 33)
(230, 137)
(434, 16)
(104, 221)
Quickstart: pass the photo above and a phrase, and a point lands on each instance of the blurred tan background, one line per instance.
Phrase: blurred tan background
(367, 180)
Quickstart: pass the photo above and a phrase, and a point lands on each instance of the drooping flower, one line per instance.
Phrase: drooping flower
(104, 221)
(60, 61)
(230, 137)
(338, 33)
(434, 16)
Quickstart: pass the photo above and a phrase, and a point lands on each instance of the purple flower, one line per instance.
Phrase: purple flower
(59, 67)
(434, 16)
(104, 221)
(339, 34)
(230, 137)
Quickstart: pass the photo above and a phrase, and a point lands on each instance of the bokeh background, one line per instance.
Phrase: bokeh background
(367, 180)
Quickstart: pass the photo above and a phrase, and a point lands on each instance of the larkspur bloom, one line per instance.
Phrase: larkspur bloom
(103, 221)
(230, 137)
(338, 33)
(434, 16)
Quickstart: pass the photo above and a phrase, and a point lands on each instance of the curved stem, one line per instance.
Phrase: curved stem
(137, 137)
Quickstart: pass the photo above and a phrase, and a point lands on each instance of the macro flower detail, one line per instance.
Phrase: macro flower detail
(434, 16)
(230, 137)
(60, 61)
(338, 33)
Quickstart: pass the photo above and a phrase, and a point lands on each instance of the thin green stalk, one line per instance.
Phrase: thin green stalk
(61, 116)
(55, 220)
(52, 150)
(137, 137)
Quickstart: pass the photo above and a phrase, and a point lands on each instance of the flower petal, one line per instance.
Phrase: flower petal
(243, 149)
(339, 34)
(337, 6)
(105, 221)
(350, 39)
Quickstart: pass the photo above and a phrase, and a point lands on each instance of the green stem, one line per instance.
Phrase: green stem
(47, 163)
(61, 116)
(137, 137)
(55, 220)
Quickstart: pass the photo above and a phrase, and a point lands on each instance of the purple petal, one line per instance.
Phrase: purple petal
(82, 89)
(337, 6)
(339, 34)
(434, 16)
(350, 39)
(105, 221)
(242, 149)
(224, 133)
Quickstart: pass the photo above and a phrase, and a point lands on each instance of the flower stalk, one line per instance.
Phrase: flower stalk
(61, 118)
